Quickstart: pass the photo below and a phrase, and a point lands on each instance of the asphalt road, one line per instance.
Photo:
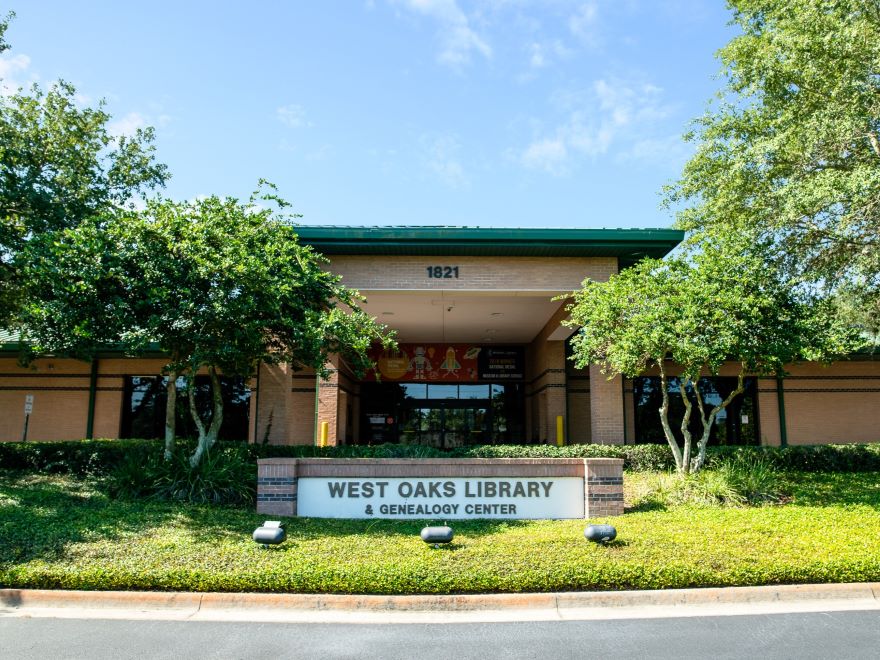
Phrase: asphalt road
(833, 635)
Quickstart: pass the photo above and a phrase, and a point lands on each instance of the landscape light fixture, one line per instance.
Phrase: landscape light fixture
(271, 533)
(600, 533)
(437, 535)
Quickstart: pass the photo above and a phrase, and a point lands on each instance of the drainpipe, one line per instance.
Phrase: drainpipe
(93, 389)
(317, 385)
(780, 399)
(257, 403)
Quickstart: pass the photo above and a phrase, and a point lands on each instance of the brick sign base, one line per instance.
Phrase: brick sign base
(440, 488)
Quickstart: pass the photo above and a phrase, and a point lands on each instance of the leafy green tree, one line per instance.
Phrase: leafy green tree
(217, 284)
(688, 317)
(790, 150)
(60, 165)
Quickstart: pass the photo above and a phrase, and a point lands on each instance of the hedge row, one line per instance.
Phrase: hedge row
(100, 457)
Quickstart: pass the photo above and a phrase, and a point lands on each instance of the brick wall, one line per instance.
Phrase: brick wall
(61, 394)
(838, 403)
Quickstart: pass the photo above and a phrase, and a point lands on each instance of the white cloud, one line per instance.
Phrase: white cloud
(441, 158)
(542, 54)
(612, 114)
(293, 115)
(549, 154)
(129, 124)
(458, 39)
(11, 69)
(584, 23)
(669, 150)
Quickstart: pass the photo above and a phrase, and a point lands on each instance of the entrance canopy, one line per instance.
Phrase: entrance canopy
(472, 284)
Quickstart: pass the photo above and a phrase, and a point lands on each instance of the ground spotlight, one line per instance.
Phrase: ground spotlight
(437, 535)
(600, 533)
(271, 533)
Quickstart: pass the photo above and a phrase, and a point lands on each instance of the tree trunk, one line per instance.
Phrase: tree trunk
(700, 460)
(207, 437)
(685, 426)
(170, 414)
(664, 420)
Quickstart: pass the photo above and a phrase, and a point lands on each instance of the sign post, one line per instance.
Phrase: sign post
(28, 409)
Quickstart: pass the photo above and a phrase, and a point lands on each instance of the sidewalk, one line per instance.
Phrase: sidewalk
(313, 608)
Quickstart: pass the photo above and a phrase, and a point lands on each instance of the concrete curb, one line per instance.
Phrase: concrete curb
(20, 600)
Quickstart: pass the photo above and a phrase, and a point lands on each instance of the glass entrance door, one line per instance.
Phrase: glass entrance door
(446, 424)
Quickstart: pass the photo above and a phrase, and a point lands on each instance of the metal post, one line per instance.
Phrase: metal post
(780, 400)
(28, 409)
(93, 389)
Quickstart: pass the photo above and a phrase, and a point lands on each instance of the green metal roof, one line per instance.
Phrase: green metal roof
(629, 245)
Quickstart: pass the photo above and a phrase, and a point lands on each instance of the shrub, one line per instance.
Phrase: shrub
(80, 458)
(100, 457)
(738, 481)
(753, 478)
(224, 476)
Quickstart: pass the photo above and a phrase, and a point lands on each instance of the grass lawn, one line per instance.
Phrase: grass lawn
(59, 532)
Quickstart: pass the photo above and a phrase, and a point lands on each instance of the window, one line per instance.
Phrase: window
(735, 425)
(145, 398)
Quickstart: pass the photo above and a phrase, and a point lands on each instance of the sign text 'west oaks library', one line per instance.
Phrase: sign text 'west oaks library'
(559, 497)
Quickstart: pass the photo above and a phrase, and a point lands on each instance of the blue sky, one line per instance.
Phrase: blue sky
(398, 112)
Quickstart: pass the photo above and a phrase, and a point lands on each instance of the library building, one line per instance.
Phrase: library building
(483, 358)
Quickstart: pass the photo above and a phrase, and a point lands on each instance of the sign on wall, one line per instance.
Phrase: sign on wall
(445, 363)
(452, 498)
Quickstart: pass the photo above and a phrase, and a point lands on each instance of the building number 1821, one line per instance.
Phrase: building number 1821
(442, 272)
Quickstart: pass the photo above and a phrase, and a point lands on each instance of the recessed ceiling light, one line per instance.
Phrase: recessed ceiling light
(486, 339)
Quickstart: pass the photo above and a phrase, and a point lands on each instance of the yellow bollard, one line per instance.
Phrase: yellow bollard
(325, 431)
(560, 433)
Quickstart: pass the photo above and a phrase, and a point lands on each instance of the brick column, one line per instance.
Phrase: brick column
(273, 411)
(276, 486)
(328, 402)
(603, 487)
(606, 408)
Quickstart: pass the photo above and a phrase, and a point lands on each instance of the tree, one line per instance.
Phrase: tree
(60, 165)
(219, 285)
(790, 151)
(690, 316)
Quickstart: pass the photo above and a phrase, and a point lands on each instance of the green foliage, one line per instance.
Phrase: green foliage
(728, 303)
(225, 476)
(86, 458)
(61, 533)
(4, 25)
(101, 457)
(59, 165)
(790, 150)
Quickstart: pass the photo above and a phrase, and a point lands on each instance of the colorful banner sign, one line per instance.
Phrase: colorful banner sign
(448, 363)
